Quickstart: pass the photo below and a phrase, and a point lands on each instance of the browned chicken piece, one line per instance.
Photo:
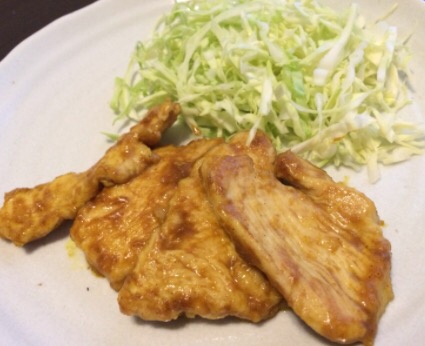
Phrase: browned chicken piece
(319, 242)
(112, 228)
(32, 213)
(190, 266)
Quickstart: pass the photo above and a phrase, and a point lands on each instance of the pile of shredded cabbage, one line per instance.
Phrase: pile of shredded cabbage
(320, 82)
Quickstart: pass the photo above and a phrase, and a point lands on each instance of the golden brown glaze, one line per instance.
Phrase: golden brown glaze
(319, 242)
(190, 265)
(112, 228)
(32, 213)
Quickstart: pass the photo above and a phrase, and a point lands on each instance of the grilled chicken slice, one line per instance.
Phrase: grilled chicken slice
(32, 213)
(190, 266)
(112, 228)
(319, 242)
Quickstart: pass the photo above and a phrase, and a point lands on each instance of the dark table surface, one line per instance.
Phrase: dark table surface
(21, 18)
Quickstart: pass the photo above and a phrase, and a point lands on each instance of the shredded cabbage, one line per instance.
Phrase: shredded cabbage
(320, 82)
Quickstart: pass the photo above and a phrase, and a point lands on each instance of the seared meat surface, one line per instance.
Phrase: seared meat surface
(320, 243)
(114, 227)
(32, 213)
(216, 229)
(190, 266)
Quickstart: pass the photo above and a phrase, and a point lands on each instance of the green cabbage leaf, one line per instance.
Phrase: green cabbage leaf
(325, 84)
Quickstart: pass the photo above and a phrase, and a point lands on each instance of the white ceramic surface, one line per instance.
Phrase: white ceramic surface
(54, 94)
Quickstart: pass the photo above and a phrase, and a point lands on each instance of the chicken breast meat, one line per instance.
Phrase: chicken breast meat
(216, 229)
(319, 242)
(115, 226)
(190, 266)
(32, 213)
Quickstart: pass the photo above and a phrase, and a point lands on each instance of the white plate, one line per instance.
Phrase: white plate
(54, 94)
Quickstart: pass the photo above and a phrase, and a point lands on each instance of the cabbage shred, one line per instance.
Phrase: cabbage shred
(319, 82)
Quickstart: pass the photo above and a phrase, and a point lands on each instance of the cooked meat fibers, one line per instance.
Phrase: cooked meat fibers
(319, 242)
(32, 213)
(190, 266)
(115, 226)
